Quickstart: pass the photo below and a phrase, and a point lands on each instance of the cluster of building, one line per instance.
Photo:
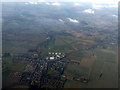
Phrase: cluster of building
(55, 55)
(53, 82)
(35, 72)
(15, 74)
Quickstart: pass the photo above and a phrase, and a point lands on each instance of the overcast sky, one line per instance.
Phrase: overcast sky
(93, 1)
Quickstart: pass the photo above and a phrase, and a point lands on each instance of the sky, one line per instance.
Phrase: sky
(93, 1)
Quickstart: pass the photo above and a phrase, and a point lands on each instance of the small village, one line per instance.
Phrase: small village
(41, 72)
(36, 74)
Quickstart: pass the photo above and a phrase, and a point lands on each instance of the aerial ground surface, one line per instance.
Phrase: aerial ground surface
(59, 45)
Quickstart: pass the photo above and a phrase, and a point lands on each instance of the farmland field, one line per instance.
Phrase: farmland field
(59, 45)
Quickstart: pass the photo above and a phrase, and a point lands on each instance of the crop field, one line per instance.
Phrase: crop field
(59, 46)
(92, 66)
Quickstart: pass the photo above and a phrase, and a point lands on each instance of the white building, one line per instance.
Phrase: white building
(51, 58)
(59, 53)
(58, 56)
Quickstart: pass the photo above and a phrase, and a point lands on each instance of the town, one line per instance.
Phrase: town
(39, 73)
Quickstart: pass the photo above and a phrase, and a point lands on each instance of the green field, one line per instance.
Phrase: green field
(10, 65)
(88, 48)
(105, 63)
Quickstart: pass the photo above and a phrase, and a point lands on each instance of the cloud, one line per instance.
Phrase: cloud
(89, 11)
(115, 16)
(94, 6)
(33, 2)
(57, 4)
(47, 3)
(73, 20)
(60, 20)
(76, 4)
(93, 1)
(26, 3)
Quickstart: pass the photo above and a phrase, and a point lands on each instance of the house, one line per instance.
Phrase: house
(69, 77)
(63, 56)
(58, 56)
(48, 38)
(59, 53)
(47, 58)
(36, 55)
(51, 58)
